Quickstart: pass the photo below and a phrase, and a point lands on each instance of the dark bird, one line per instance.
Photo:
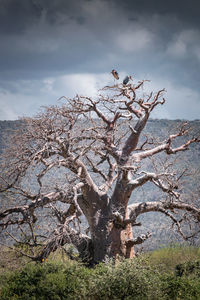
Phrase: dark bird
(126, 79)
(115, 74)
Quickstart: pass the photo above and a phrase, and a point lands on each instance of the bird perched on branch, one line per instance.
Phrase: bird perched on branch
(115, 74)
(126, 79)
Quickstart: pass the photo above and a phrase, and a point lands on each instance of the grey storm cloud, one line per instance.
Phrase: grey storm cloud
(47, 45)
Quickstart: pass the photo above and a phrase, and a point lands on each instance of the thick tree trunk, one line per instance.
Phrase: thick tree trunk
(110, 239)
(109, 234)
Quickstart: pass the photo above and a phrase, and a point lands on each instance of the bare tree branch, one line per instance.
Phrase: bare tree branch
(83, 157)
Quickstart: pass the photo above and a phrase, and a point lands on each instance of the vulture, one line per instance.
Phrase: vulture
(126, 79)
(115, 74)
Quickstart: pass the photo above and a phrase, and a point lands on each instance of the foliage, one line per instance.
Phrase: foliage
(164, 259)
(145, 277)
(188, 269)
(181, 288)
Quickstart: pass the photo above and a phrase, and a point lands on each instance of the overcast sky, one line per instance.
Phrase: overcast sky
(51, 48)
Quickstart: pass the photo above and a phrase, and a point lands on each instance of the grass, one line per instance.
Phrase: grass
(165, 259)
(153, 275)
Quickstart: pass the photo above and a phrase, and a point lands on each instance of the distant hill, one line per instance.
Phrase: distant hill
(6, 127)
(154, 222)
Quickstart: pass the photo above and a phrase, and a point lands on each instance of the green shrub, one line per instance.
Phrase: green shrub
(140, 279)
(73, 281)
(165, 259)
(47, 281)
(130, 279)
(188, 269)
(181, 288)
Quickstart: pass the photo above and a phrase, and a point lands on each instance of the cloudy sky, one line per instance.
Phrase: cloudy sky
(51, 48)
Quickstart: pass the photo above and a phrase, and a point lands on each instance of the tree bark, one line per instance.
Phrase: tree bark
(110, 241)
(87, 137)
(110, 233)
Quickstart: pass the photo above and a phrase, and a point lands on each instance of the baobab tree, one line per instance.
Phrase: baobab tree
(86, 157)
